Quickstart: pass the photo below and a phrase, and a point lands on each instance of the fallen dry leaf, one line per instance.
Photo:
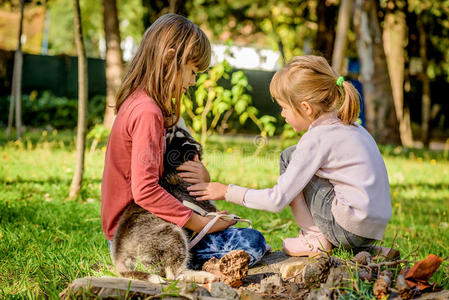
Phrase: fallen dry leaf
(421, 272)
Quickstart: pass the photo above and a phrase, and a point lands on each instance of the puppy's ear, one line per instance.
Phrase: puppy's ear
(170, 135)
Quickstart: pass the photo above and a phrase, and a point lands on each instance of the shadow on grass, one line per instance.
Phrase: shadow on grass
(421, 185)
(49, 180)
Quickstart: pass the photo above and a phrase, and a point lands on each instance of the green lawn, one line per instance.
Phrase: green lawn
(46, 241)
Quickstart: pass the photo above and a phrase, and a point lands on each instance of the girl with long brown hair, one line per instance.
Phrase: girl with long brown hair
(334, 179)
(173, 50)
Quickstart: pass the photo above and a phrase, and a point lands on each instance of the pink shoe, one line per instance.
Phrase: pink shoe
(309, 244)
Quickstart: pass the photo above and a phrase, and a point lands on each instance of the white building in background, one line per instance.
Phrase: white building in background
(246, 57)
(238, 57)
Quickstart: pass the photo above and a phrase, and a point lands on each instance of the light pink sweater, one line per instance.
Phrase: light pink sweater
(346, 155)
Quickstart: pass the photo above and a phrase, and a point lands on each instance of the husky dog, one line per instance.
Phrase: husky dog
(144, 239)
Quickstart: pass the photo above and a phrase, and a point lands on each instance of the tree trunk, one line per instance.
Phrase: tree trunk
(82, 103)
(326, 14)
(172, 6)
(344, 19)
(114, 64)
(425, 108)
(394, 36)
(16, 86)
(12, 102)
(380, 113)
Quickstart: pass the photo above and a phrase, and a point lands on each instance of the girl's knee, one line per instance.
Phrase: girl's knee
(253, 236)
(285, 158)
(256, 244)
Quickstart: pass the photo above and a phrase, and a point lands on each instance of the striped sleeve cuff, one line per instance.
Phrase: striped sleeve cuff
(235, 194)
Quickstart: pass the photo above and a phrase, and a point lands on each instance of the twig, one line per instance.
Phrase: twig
(410, 254)
(388, 263)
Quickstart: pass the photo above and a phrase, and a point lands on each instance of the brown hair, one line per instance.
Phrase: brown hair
(310, 78)
(152, 71)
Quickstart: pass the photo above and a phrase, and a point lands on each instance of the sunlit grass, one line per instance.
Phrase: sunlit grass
(46, 241)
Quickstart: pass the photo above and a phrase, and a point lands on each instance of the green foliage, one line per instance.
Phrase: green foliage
(280, 22)
(98, 134)
(435, 15)
(288, 132)
(217, 109)
(61, 33)
(57, 112)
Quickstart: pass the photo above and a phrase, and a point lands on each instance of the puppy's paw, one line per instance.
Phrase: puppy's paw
(199, 277)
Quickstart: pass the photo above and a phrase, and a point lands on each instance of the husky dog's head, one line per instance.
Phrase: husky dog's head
(180, 147)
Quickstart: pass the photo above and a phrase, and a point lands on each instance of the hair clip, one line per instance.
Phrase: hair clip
(340, 81)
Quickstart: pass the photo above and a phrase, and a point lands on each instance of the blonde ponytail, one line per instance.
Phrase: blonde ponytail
(310, 78)
(350, 108)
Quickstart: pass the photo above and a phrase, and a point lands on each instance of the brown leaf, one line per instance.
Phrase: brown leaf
(421, 272)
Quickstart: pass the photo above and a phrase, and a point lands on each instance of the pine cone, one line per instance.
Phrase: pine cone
(380, 288)
(382, 285)
(362, 258)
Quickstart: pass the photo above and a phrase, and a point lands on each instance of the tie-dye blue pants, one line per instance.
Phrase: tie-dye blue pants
(218, 244)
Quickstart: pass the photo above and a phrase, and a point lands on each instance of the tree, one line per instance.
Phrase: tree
(114, 64)
(16, 91)
(380, 112)
(425, 106)
(325, 36)
(395, 40)
(344, 22)
(82, 103)
(429, 40)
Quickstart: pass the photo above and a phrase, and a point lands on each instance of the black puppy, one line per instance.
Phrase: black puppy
(181, 147)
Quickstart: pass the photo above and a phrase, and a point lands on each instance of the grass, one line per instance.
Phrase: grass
(46, 241)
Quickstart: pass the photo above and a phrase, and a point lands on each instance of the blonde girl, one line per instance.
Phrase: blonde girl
(173, 50)
(334, 179)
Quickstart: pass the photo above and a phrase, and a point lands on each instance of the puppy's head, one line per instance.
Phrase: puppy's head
(180, 147)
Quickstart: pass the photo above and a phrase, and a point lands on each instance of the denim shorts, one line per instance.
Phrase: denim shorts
(319, 194)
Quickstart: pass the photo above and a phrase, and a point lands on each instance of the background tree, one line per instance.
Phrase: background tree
(380, 113)
(82, 103)
(326, 13)
(395, 40)
(114, 64)
(16, 91)
(345, 14)
(61, 35)
(428, 25)
(425, 107)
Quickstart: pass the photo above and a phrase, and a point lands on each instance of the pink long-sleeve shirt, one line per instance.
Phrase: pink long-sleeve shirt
(134, 163)
(348, 157)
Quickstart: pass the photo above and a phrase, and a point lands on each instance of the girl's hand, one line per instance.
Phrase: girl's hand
(194, 171)
(208, 191)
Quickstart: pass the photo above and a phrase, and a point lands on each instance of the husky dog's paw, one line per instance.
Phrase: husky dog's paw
(200, 277)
